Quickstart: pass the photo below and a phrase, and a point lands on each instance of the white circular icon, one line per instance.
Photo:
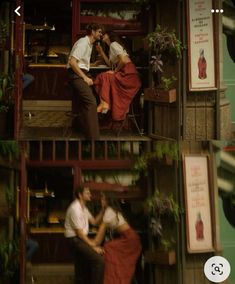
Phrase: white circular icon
(217, 269)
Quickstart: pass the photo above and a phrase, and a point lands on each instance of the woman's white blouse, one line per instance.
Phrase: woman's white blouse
(113, 219)
(116, 49)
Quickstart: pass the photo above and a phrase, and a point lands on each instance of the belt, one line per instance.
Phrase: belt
(70, 70)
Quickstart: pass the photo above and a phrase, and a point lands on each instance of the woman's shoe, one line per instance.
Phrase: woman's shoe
(103, 107)
(105, 110)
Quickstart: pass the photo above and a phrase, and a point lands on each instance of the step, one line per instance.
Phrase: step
(50, 274)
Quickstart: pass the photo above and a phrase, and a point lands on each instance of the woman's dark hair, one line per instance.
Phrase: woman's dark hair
(112, 201)
(93, 27)
(115, 37)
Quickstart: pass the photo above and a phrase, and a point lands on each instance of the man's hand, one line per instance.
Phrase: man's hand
(99, 250)
(89, 81)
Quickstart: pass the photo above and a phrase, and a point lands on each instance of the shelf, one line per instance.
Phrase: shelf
(42, 194)
(105, 1)
(121, 191)
(38, 27)
(58, 230)
(140, 31)
(45, 230)
(105, 186)
(119, 23)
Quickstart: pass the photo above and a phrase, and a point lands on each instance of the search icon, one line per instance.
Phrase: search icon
(217, 269)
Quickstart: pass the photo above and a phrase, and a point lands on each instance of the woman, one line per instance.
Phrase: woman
(121, 253)
(116, 88)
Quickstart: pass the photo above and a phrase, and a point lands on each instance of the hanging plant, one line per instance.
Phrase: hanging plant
(165, 48)
(9, 258)
(3, 34)
(9, 149)
(163, 45)
(6, 88)
(161, 206)
(161, 149)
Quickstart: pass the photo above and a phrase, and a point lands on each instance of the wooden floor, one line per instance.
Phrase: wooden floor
(58, 125)
(50, 274)
(32, 133)
(56, 274)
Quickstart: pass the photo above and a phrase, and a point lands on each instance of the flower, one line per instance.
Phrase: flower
(156, 63)
(160, 205)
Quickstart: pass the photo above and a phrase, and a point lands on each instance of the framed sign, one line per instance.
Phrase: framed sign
(201, 53)
(198, 203)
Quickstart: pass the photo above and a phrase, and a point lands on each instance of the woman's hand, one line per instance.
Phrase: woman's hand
(99, 250)
(99, 49)
(89, 81)
(110, 72)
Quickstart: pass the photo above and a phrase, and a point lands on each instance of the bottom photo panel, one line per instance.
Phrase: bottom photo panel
(154, 211)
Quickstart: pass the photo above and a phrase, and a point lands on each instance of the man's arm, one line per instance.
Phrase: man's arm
(100, 234)
(84, 237)
(89, 241)
(74, 65)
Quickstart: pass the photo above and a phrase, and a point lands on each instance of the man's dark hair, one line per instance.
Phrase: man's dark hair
(93, 27)
(79, 190)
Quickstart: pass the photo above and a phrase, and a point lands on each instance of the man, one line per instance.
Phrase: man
(78, 68)
(89, 263)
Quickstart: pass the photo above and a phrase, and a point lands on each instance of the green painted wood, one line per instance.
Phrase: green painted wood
(227, 235)
(229, 78)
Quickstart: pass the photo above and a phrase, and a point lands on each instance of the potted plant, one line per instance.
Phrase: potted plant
(164, 211)
(9, 259)
(9, 149)
(164, 48)
(9, 248)
(164, 152)
(6, 103)
(6, 86)
(3, 34)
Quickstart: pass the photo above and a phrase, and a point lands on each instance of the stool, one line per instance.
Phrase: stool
(131, 115)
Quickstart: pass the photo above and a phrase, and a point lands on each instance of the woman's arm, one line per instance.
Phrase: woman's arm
(97, 220)
(102, 53)
(122, 61)
(100, 234)
(89, 241)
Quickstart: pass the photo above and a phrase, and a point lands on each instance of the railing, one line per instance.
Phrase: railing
(88, 154)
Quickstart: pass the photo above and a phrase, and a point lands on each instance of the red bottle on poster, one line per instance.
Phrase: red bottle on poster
(202, 65)
(199, 226)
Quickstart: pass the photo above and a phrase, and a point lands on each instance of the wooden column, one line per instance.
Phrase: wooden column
(18, 60)
(22, 215)
(75, 19)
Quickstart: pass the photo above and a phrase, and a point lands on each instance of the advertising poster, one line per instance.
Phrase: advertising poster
(201, 54)
(198, 206)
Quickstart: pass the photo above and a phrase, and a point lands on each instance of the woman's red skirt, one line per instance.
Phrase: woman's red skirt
(118, 89)
(120, 256)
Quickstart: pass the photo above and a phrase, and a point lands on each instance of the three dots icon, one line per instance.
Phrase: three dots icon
(217, 10)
